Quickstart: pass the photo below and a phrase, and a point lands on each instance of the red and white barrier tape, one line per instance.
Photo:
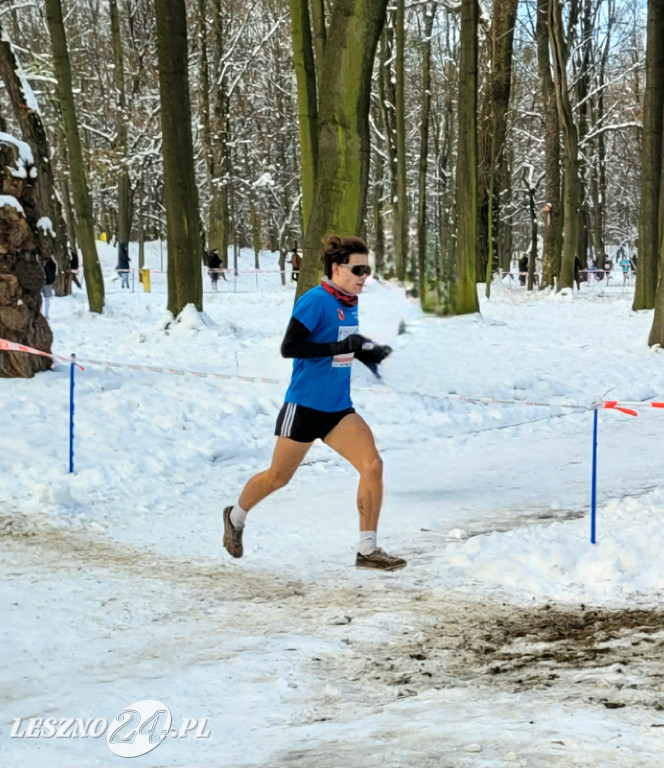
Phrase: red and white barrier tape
(12, 346)
(597, 404)
(182, 372)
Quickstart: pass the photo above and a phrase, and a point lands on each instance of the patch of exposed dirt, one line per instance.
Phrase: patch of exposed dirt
(610, 657)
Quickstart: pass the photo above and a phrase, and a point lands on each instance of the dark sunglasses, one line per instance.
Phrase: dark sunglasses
(359, 270)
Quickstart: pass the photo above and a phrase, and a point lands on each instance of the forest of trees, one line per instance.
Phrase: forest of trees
(452, 135)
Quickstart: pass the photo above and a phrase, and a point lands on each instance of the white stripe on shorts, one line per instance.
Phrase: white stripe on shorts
(289, 416)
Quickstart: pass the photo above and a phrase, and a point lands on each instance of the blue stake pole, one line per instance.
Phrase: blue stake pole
(71, 413)
(593, 497)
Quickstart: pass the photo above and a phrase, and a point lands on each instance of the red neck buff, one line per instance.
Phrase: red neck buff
(347, 299)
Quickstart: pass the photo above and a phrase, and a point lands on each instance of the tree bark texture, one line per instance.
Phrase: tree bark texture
(185, 244)
(401, 203)
(651, 165)
(219, 161)
(305, 62)
(502, 38)
(387, 117)
(82, 203)
(343, 128)
(21, 270)
(430, 12)
(570, 143)
(124, 190)
(463, 290)
(553, 230)
(654, 103)
(53, 242)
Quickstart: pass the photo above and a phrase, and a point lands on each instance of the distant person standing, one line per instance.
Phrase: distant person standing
(50, 273)
(625, 267)
(578, 273)
(523, 269)
(214, 265)
(296, 263)
(123, 264)
(607, 266)
(73, 267)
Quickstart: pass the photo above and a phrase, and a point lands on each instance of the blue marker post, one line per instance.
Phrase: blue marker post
(593, 495)
(72, 368)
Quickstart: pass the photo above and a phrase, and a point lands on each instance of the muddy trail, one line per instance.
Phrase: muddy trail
(426, 639)
(612, 658)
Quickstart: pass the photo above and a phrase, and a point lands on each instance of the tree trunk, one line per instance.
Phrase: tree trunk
(429, 11)
(51, 241)
(219, 218)
(343, 128)
(532, 258)
(307, 99)
(463, 291)
(21, 270)
(387, 101)
(502, 37)
(651, 164)
(124, 188)
(401, 203)
(553, 228)
(185, 245)
(654, 102)
(94, 281)
(571, 145)
(255, 234)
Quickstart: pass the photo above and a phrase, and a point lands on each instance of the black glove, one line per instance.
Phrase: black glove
(373, 354)
(353, 343)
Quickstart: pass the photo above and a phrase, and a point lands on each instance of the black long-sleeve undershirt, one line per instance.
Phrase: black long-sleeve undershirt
(296, 343)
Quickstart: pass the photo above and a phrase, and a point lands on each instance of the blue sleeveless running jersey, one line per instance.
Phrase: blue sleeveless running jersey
(323, 383)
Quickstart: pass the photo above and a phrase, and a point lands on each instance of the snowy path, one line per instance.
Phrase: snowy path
(354, 669)
(507, 642)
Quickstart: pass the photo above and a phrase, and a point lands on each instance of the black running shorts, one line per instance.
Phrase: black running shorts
(304, 425)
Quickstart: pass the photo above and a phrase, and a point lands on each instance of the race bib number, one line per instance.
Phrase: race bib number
(345, 360)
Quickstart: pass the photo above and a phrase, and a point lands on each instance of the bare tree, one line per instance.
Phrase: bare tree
(652, 223)
(650, 227)
(52, 238)
(463, 291)
(185, 245)
(84, 217)
(343, 94)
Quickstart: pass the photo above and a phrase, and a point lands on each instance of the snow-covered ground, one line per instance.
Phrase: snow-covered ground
(509, 640)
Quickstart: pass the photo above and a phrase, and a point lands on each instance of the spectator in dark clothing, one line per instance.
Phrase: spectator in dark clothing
(214, 267)
(296, 263)
(523, 269)
(579, 274)
(608, 266)
(50, 273)
(123, 263)
(73, 267)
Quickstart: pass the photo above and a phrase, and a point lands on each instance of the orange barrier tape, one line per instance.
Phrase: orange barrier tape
(613, 404)
(13, 346)
(181, 372)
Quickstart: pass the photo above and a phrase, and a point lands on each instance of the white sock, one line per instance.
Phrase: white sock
(238, 516)
(367, 542)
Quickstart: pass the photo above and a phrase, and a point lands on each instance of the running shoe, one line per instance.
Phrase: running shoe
(379, 560)
(232, 535)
